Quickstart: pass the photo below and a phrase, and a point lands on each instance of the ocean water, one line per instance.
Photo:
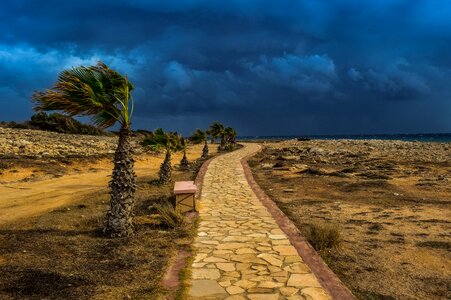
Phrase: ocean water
(420, 137)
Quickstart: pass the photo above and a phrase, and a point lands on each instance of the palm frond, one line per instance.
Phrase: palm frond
(216, 129)
(198, 136)
(96, 91)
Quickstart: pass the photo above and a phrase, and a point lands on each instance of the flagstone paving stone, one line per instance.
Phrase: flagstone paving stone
(240, 251)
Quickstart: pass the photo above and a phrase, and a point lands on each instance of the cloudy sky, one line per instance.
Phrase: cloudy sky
(263, 67)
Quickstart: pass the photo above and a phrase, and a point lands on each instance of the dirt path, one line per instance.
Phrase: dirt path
(26, 199)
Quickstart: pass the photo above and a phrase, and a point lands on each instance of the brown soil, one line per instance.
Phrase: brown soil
(390, 200)
(51, 244)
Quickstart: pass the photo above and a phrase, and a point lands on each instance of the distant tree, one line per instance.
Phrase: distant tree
(171, 142)
(105, 95)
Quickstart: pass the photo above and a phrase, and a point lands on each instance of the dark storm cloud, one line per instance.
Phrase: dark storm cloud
(266, 67)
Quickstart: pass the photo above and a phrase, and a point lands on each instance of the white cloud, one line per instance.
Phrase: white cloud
(26, 58)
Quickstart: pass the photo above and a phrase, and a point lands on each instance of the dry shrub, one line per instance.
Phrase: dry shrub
(169, 216)
(4, 165)
(323, 236)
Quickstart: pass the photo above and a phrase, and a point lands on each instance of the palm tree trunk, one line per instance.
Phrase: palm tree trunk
(166, 169)
(119, 221)
(205, 150)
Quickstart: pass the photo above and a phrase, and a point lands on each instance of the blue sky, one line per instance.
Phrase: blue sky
(263, 67)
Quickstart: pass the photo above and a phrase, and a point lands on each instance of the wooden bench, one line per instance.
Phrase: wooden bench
(185, 196)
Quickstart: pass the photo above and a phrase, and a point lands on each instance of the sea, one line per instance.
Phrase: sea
(419, 137)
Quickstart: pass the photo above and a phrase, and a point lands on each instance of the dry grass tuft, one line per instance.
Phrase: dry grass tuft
(323, 236)
(169, 216)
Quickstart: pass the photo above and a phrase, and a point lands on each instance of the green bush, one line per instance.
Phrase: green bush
(323, 236)
(20, 126)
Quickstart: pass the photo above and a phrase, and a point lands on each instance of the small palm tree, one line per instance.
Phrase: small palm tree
(198, 137)
(205, 151)
(166, 169)
(170, 142)
(184, 163)
(105, 95)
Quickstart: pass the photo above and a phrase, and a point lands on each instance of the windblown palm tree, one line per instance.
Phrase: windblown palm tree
(216, 129)
(198, 137)
(230, 136)
(105, 95)
(170, 142)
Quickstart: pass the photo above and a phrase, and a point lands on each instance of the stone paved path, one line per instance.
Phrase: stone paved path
(241, 253)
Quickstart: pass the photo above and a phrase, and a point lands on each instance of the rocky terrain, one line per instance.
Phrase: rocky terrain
(42, 144)
(389, 200)
(29, 155)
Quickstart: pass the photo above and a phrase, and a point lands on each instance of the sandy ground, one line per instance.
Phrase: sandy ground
(21, 198)
(53, 199)
(391, 202)
(61, 253)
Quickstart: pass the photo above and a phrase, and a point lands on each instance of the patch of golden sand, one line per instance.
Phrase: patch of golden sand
(25, 199)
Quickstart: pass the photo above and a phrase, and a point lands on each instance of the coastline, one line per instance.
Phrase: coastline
(417, 137)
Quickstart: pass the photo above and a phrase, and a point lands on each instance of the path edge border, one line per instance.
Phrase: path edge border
(171, 277)
(328, 279)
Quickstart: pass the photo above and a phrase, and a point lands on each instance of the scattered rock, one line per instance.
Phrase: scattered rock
(266, 166)
(290, 157)
(279, 164)
(317, 151)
